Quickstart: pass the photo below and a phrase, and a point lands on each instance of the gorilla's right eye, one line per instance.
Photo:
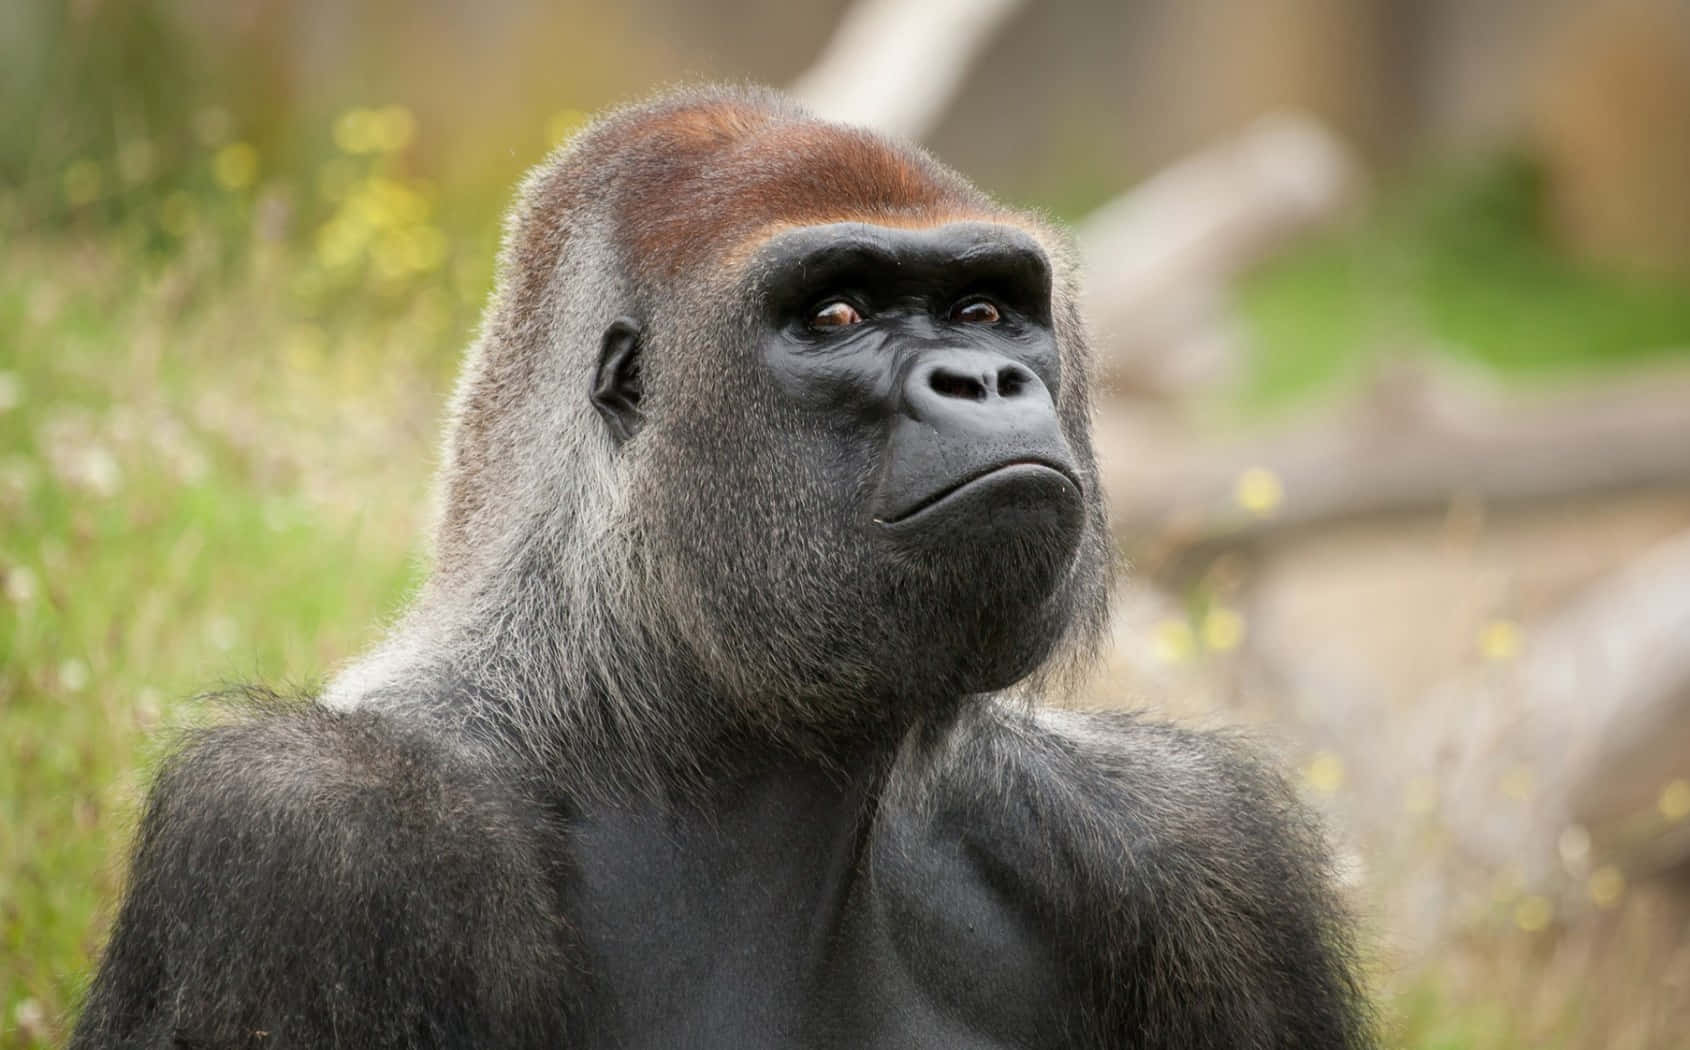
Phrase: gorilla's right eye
(836, 313)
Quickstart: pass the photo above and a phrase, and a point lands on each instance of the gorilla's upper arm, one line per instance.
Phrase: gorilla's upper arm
(1188, 883)
(317, 879)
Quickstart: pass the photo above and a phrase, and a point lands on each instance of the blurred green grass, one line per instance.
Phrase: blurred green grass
(1454, 262)
(218, 401)
(169, 527)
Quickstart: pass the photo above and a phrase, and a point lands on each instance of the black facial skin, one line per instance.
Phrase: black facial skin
(964, 399)
(966, 407)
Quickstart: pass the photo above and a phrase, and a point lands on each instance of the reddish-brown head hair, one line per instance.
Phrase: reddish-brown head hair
(695, 178)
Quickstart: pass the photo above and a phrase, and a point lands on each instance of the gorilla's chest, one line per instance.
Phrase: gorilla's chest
(800, 923)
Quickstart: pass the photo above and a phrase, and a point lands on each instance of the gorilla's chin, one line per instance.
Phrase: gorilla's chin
(995, 547)
(993, 649)
(988, 603)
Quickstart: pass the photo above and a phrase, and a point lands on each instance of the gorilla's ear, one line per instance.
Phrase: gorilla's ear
(617, 386)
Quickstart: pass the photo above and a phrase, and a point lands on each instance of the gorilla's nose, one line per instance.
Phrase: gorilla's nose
(950, 382)
(974, 431)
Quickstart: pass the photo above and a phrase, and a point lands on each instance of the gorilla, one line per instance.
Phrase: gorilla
(768, 505)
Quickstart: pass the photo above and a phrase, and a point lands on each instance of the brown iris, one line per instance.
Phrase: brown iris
(835, 314)
(976, 311)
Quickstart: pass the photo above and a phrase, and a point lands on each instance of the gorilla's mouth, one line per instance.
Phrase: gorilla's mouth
(1017, 483)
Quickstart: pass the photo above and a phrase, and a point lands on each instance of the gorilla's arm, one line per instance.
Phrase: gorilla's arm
(1187, 882)
(316, 879)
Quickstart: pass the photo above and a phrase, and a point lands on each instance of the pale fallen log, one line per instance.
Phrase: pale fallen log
(1159, 257)
(896, 65)
(1577, 754)
(1417, 444)
(1537, 786)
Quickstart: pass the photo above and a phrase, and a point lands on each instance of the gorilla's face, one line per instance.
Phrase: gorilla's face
(894, 489)
(938, 345)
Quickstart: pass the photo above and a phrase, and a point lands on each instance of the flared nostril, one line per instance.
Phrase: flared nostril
(1012, 379)
(961, 385)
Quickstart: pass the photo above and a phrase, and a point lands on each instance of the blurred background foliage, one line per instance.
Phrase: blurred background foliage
(245, 241)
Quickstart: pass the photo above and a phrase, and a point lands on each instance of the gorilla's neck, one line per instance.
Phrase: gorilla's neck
(577, 692)
(593, 686)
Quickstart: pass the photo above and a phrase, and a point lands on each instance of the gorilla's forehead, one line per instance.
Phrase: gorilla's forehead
(951, 241)
(813, 252)
(701, 182)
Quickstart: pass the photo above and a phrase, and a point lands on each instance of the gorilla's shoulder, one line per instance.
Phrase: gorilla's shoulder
(1132, 837)
(302, 769)
(300, 860)
(1100, 768)
(1126, 803)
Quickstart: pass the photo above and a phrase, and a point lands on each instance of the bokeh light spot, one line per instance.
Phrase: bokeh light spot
(11, 391)
(1606, 885)
(1324, 773)
(235, 167)
(73, 675)
(355, 131)
(1259, 491)
(1499, 640)
(1518, 783)
(1223, 629)
(1533, 913)
(1674, 802)
(1172, 642)
(20, 585)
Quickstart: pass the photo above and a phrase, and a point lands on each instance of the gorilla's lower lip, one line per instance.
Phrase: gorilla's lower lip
(1019, 472)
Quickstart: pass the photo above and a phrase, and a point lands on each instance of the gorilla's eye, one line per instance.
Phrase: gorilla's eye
(836, 313)
(975, 311)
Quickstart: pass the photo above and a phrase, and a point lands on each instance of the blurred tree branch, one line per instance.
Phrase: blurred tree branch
(1591, 725)
(1544, 782)
(895, 65)
(1159, 257)
(1420, 439)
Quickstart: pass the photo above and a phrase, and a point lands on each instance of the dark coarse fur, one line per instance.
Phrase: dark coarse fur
(671, 751)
